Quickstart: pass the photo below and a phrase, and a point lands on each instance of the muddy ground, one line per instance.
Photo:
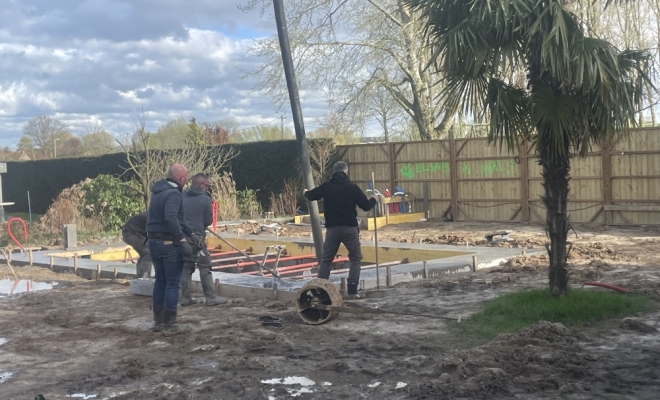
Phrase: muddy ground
(92, 338)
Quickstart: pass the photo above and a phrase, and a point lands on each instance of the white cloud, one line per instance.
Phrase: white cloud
(100, 61)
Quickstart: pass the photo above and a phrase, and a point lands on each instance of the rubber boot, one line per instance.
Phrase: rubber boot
(171, 327)
(186, 286)
(209, 291)
(143, 268)
(353, 291)
(159, 319)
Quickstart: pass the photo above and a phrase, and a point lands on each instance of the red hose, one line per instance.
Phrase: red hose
(214, 211)
(11, 235)
(607, 286)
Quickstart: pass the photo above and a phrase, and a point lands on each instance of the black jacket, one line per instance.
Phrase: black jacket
(137, 225)
(340, 196)
(165, 213)
(197, 210)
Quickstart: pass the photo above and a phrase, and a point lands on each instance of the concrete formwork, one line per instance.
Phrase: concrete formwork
(440, 259)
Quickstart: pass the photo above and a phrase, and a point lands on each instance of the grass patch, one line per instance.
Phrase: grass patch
(512, 311)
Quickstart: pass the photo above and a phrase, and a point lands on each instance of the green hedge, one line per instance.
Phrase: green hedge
(259, 165)
(45, 179)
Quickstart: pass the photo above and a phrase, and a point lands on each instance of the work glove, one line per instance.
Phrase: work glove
(198, 241)
(187, 248)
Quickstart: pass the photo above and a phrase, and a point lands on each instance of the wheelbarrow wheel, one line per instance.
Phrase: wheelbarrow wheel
(318, 292)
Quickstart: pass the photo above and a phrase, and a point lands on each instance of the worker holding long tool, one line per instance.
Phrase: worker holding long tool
(134, 234)
(340, 197)
(197, 209)
(168, 244)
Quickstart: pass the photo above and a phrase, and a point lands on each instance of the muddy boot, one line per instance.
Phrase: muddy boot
(352, 292)
(186, 286)
(209, 291)
(159, 319)
(171, 327)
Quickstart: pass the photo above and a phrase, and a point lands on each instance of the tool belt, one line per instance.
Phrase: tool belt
(160, 236)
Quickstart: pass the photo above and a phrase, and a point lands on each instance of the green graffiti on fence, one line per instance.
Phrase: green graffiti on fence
(487, 168)
(409, 170)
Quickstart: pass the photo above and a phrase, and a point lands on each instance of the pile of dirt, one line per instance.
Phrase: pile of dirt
(36, 274)
(637, 325)
(596, 250)
(593, 271)
(267, 228)
(521, 264)
(512, 364)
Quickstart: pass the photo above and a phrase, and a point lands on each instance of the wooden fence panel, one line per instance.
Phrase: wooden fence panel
(475, 181)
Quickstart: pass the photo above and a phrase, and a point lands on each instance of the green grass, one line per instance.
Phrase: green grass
(512, 311)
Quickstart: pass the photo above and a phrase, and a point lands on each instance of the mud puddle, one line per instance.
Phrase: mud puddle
(10, 287)
(4, 376)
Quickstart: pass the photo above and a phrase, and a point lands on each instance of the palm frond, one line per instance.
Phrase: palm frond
(509, 109)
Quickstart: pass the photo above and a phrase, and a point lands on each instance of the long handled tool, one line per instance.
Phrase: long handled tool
(355, 308)
(373, 185)
(257, 263)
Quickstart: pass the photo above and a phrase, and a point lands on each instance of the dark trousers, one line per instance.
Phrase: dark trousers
(204, 264)
(350, 237)
(168, 263)
(139, 244)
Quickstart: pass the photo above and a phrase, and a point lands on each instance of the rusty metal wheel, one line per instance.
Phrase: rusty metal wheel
(321, 292)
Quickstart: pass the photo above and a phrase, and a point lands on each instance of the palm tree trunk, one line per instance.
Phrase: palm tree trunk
(556, 177)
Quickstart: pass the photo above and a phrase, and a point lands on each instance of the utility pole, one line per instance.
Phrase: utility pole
(55, 147)
(298, 123)
(282, 126)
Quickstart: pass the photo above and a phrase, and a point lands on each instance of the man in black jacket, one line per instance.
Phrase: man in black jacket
(198, 214)
(340, 197)
(167, 231)
(134, 234)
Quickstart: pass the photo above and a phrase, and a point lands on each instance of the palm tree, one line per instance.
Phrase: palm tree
(579, 90)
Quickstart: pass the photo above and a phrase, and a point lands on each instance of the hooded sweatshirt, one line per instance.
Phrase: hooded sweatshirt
(340, 196)
(197, 210)
(165, 213)
(137, 225)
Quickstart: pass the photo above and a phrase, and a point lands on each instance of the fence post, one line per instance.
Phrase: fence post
(523, 152)
(606, 172)
(453, 172)
(392, 167)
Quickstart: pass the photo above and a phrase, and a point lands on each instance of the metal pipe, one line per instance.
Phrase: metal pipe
(370, 266)
(271, 260)
(256, 256)
(373, 186)
(240, 251)
(299, 267)
(228, 253)
(298, 123)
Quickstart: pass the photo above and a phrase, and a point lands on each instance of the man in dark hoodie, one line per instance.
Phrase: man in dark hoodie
(134, 234)
(198, 214)
(167, 231)
(340, 197)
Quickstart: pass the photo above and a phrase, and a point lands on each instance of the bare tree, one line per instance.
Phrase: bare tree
(321, 153)
(215, 134)
(386, 112)
(41, 130)
(149, 165)
(97, 141)
(232, 127)
(345, 48)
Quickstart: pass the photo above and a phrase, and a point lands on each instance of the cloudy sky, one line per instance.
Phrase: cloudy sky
(99, 61)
